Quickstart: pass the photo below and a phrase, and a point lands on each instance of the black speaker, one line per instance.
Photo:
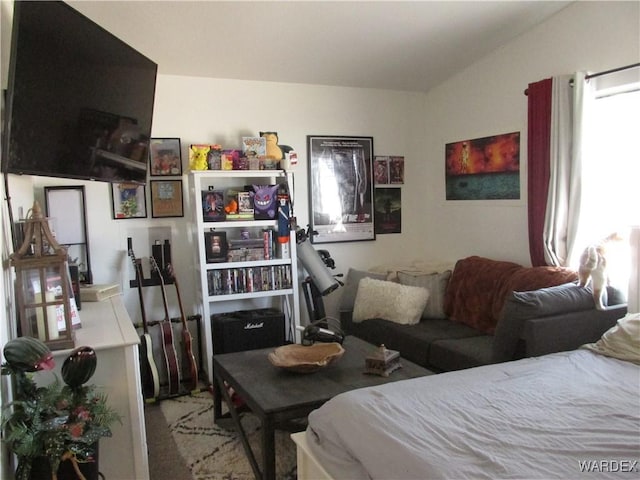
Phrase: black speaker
(247, 330)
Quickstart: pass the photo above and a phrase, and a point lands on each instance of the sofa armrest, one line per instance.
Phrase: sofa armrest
(568, 331)
(556, 318)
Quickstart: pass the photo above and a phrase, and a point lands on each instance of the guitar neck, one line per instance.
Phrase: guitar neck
(165, 304)
(182, 315)
(138, 273)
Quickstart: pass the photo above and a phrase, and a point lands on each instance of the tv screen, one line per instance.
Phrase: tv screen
(79, 100)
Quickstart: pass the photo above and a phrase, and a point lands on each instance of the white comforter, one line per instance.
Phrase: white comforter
(556, 416)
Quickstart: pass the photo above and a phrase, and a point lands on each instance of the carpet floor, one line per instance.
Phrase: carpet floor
(185, 443)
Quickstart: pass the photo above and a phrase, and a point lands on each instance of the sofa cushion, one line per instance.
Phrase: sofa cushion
(436, 283)
(458, 353)
(417, 266)
(348, 298)
(389, 300)
(412, 341)
(472, 290)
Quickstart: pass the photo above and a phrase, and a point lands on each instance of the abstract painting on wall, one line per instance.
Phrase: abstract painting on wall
(486, 168)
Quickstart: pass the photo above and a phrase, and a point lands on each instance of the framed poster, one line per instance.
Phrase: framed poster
(341, 188)
(128, 200)
(396, 170)
(388, 210)
(166, 198)
(486, 168)
(381, 169)
(165, 157)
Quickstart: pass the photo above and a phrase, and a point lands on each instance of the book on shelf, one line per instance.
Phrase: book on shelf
(98, 293)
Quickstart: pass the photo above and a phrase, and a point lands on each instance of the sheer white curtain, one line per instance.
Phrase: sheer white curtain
(570, 106)
(634, 277)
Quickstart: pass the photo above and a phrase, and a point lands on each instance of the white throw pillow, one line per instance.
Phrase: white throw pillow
(390, 301)
(621, 340)
(436, 283)
(348, 298)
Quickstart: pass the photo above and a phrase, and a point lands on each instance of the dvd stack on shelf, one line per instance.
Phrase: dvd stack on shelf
(230, 281)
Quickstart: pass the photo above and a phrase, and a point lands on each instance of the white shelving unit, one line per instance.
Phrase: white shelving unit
(287, 300)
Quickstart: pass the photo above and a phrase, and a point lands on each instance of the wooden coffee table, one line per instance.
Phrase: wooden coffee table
(277, 396)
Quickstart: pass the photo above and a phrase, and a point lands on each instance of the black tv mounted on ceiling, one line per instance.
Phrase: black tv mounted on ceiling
(79, 101)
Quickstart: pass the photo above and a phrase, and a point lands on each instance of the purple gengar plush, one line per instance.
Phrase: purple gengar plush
(265, 201)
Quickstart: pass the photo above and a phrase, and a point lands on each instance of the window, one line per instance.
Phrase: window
(611, 175)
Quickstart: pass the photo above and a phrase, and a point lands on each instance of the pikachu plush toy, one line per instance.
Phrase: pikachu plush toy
(198, 157)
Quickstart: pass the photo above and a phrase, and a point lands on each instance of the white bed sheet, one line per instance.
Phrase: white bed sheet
(545, 417)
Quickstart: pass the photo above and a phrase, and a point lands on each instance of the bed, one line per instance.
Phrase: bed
(555, 416)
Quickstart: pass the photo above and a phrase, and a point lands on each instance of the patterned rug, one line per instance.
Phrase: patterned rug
(214, 453)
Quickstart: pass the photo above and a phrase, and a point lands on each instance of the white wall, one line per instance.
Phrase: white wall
(487, 98)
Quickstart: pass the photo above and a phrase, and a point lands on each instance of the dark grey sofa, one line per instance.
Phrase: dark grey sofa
(530, 323)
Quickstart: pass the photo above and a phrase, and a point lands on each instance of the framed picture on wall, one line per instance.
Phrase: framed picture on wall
(341, 188)
(486, 168)
(165, 157)
(381, 169)
(128, 201)
(166, 198)
(396, 170)
(388, 210)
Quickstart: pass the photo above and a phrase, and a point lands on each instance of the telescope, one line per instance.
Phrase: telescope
(320, 281)
(316, 263)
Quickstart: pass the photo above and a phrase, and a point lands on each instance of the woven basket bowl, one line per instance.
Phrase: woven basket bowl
(306, 359)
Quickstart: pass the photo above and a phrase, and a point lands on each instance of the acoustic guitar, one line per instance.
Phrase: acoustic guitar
(187, 340)
(168, 346)
(148, 369)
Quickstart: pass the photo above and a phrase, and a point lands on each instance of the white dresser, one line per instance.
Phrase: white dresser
(107, 328)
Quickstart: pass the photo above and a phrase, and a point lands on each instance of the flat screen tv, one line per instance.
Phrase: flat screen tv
(79, 101)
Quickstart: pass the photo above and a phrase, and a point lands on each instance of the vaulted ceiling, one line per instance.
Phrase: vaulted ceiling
(397, 45)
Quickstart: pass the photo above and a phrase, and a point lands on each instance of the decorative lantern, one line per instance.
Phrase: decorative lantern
(42, 284)
(382, 361)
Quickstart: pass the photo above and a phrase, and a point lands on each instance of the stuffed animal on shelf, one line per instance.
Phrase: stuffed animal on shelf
(274, 151)
(265, 201)
(198, 157)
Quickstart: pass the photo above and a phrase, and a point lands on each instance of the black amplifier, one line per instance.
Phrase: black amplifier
(247, 330)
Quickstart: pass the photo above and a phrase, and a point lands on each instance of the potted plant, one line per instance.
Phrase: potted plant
(55, 428)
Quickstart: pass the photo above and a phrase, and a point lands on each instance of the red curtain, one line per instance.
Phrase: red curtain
(538, 154)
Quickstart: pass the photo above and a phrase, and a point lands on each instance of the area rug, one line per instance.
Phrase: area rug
(212, 452)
